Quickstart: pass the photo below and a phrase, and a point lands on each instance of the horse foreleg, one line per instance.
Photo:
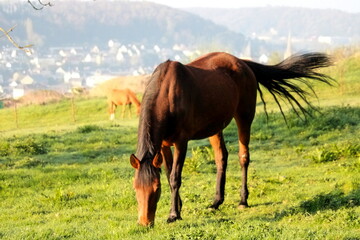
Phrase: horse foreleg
(112, 110)
(168, 161)
(221, 156)
(175, 181)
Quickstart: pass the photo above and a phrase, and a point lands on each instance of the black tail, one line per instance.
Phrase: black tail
(282, 80)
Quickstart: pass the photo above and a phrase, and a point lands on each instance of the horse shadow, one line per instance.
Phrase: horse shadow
(333, 200)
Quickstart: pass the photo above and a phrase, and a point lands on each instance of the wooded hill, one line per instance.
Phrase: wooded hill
(79, 23)
(95, 22)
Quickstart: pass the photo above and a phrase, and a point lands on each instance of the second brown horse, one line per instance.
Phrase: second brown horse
(124, 97)
(198, 100)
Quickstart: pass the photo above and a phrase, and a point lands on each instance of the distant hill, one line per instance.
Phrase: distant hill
(89, 23)
(95, 22)
(301, 22)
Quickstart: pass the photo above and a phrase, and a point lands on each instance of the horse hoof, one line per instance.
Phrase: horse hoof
(243, 206)
(213, 207)
(173, 219)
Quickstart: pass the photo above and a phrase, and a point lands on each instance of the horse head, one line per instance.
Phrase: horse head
(147, 187)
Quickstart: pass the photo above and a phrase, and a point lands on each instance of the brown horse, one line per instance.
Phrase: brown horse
(124, 97)
(198, 100)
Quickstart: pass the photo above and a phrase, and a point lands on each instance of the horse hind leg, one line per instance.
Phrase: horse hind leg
(244, 158)
(221, 156)
(123, 111)
(130, 110)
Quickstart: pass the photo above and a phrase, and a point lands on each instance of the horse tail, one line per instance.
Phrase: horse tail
(287, 79)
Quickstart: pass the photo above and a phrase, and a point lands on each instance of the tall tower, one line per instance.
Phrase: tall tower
(247, 51)
(288, 51)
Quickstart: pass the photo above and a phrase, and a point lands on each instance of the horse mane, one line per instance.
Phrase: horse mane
(145, 148)
(146, 175)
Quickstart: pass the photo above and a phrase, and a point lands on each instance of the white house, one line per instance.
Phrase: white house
(97, 79)
(27, 80)
(18, 92)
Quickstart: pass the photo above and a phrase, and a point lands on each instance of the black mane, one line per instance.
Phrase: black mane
(146, 148)
(147, 174)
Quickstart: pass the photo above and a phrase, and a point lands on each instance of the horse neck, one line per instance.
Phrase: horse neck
(151, 128)
(149, 135)
(134, 99)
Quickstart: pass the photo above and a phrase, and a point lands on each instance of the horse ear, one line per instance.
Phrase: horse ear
(157, 161)
(134, 161)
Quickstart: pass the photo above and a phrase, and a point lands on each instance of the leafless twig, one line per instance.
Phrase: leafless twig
(42, 5)
(7, 34)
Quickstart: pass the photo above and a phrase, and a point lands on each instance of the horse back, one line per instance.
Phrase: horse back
(119, 96)
(203, 96)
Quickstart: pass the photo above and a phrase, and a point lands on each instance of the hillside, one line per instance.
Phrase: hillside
(95, 22)
(70, 178)
(302, 22)
(65, 173)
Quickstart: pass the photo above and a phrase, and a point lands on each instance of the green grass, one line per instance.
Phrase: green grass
(66, 179)
(77, 183)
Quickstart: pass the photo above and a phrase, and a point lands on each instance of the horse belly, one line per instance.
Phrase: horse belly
(210, 129)
(214, 111)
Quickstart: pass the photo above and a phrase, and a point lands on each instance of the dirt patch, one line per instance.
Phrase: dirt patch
(135, 83)
(40, 97)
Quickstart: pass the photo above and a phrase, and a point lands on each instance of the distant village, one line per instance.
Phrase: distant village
(63, 69)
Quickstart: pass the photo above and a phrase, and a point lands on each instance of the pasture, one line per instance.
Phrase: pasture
(66, 179)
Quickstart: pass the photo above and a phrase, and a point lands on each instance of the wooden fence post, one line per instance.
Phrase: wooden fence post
(73, 108)
(16, 114)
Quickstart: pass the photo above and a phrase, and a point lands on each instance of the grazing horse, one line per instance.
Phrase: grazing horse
(198, 100)
(124, 97)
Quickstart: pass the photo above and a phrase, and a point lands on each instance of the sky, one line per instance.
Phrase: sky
(345, 5)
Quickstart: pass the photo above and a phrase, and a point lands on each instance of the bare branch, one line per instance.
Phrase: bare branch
(6, 34)
(42, 5)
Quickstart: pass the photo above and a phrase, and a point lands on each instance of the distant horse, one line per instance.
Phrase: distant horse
(124, 97)
(198, 100)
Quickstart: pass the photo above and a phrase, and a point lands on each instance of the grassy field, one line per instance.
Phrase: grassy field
(66, 178)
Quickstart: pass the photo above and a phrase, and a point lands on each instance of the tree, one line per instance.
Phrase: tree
(39, 5)
(26, 48)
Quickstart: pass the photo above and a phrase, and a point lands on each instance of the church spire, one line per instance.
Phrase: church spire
(288, 51)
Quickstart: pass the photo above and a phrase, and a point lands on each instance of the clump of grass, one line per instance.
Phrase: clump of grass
(199, 156)
(27, 146)
(328, 118)
(329, 153)
(29, 162)
(333, 200)
(88, 128)
(4, 148)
